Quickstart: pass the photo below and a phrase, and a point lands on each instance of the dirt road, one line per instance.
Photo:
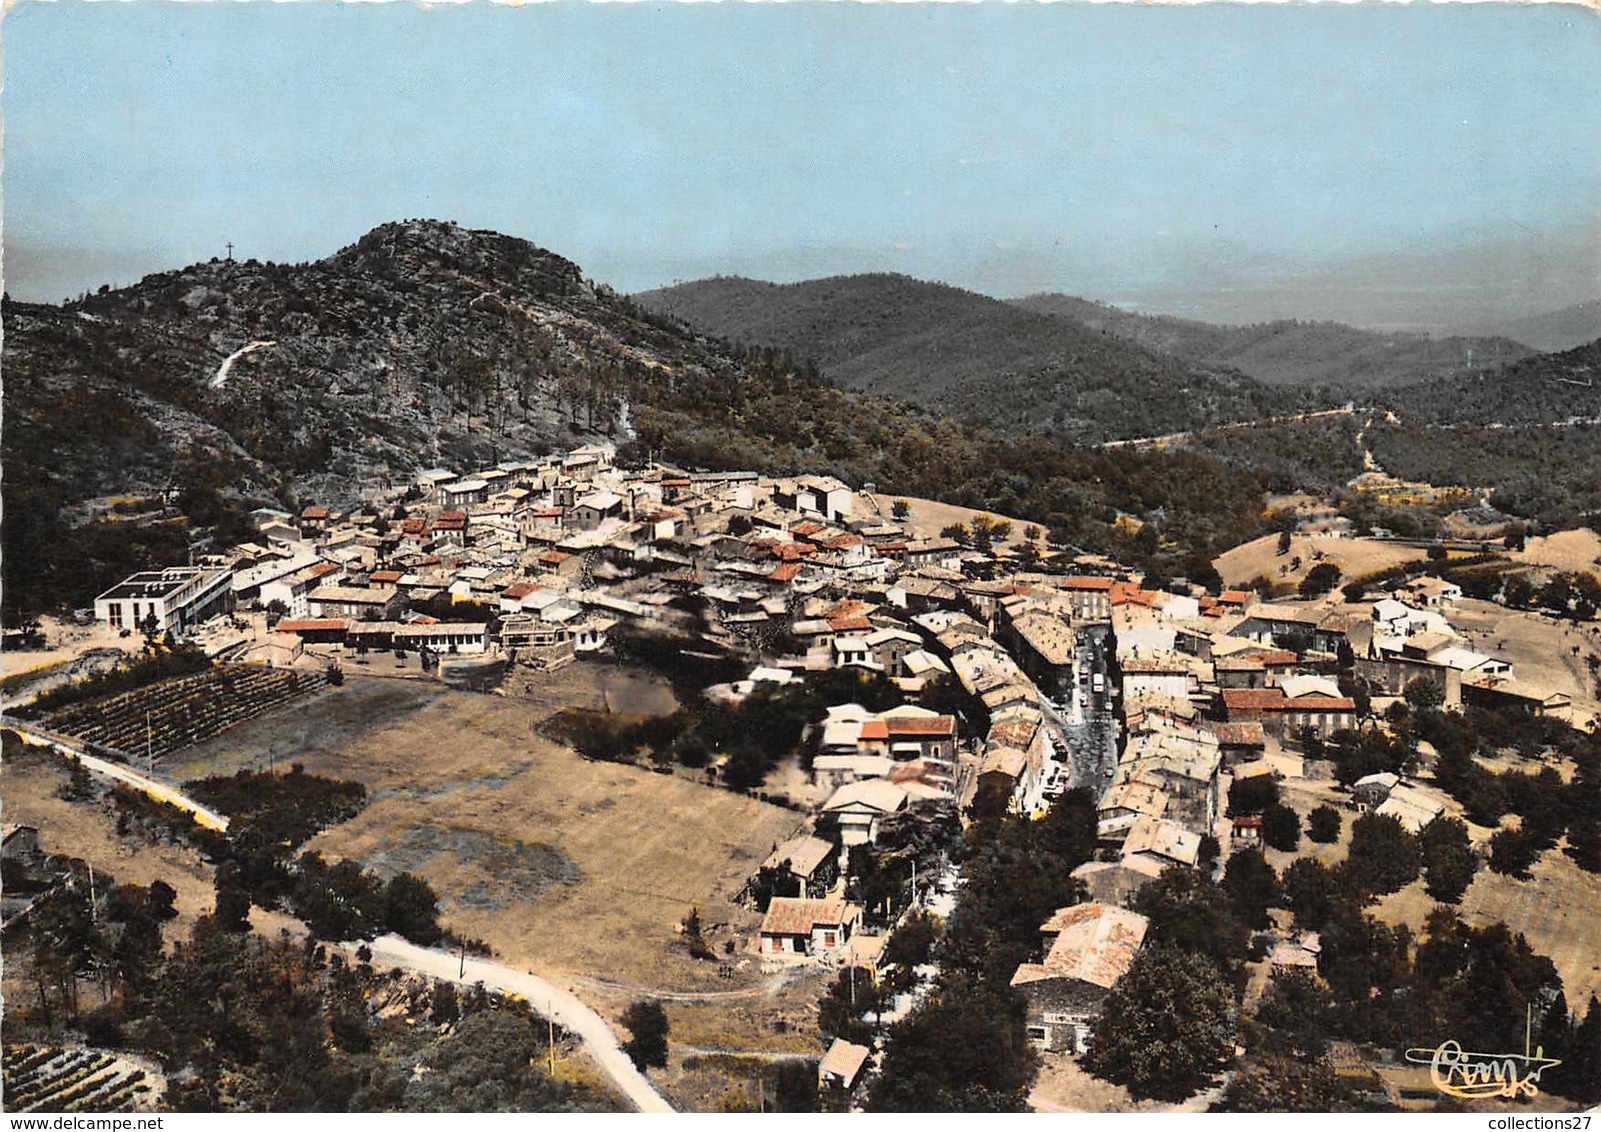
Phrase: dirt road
(544, 996)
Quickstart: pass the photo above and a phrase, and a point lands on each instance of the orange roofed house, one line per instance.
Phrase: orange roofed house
(798, 926)
(1088, 948)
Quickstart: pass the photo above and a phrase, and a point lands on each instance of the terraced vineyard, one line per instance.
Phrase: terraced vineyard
(58, 1079)
(167, 717)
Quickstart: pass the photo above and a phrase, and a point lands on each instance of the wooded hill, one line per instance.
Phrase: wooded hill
(1288, 351)
(976, 357)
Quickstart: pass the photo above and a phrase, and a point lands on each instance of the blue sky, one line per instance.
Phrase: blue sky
(1379, 163)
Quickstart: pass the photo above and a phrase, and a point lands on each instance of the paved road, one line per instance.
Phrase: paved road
(72, 749)
(544, 996)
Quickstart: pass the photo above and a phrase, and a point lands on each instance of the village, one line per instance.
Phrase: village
(1164, 704)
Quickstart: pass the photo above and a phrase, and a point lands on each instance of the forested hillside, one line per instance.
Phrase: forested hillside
(1290, 352)
(988, 361)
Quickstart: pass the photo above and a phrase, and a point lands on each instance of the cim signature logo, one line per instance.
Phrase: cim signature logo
(1474, 1076)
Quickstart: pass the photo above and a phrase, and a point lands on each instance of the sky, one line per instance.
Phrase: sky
(1421, 164)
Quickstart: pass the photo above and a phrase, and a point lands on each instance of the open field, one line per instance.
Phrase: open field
(28, 783)
(1543, 651)
(928, 517)
(1558, 910)
(1354, 556)
(1573, 551)
(562, 865)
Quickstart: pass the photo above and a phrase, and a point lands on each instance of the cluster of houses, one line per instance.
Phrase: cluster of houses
(535, 562)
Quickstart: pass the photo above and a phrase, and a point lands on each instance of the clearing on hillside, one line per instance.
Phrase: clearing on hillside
(1354, 556)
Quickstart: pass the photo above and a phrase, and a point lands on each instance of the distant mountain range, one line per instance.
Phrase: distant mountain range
(957, 352)
(1556, 330)
(1291, 352)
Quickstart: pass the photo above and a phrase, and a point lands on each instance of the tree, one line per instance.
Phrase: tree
(1284, 542)
(1323, 825)
(411, 909)
(1190, 912)
(1286, 1084)
(1252, 887)
(1448, 859)
(963, 1050)
(1252, 795)
(1310, 892)
(841, 1013)
(1383, 858)
(1319, 580)
(1353, 592)
(1166, 1027)
(1513, 853)
(233, 902)
(1281, 827)
(1423, 693)
(900, 509)
(646, 1021)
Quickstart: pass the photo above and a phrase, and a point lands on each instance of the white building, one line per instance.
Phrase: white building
(179, 597)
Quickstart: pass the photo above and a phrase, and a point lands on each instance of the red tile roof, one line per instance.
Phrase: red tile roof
(314, 513)
(792, 915)
(786, 571)
(554, 557)
(1097, 584)
(922, 725)
(320, 625)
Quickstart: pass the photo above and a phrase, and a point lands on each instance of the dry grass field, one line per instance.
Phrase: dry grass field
(562, 865)
(1354, 556)
(1573, 551)
(1543, 651)
(28, 783)
(928, 517)
(1558, 910)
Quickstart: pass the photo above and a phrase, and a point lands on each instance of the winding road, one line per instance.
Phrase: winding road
(556, 1003)
(37, 736)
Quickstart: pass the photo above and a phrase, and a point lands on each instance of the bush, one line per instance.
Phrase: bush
(1281, 827)
(1323, 825)
(647, 1022)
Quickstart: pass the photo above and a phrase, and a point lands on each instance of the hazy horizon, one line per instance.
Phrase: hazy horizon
(1432, 166)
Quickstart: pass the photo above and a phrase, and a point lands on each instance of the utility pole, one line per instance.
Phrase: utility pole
(463, 972)
(550, 1039)
(150, 739)
(230, 251)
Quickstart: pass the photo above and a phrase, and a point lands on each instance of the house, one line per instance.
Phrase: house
(906, 733)
(859, 808)
(853, 651)
(1089, 948)
(590, 511)
(824, 496)
(323, 631)
(841, 1067)
(1160, 842)
(891, 647)
(357, 603)
(1413, 806)
(1089, 598)
(177, 598)
(796, 925)
(1431, 593)
(462, 493)
(810, 860)
(1297, 955)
